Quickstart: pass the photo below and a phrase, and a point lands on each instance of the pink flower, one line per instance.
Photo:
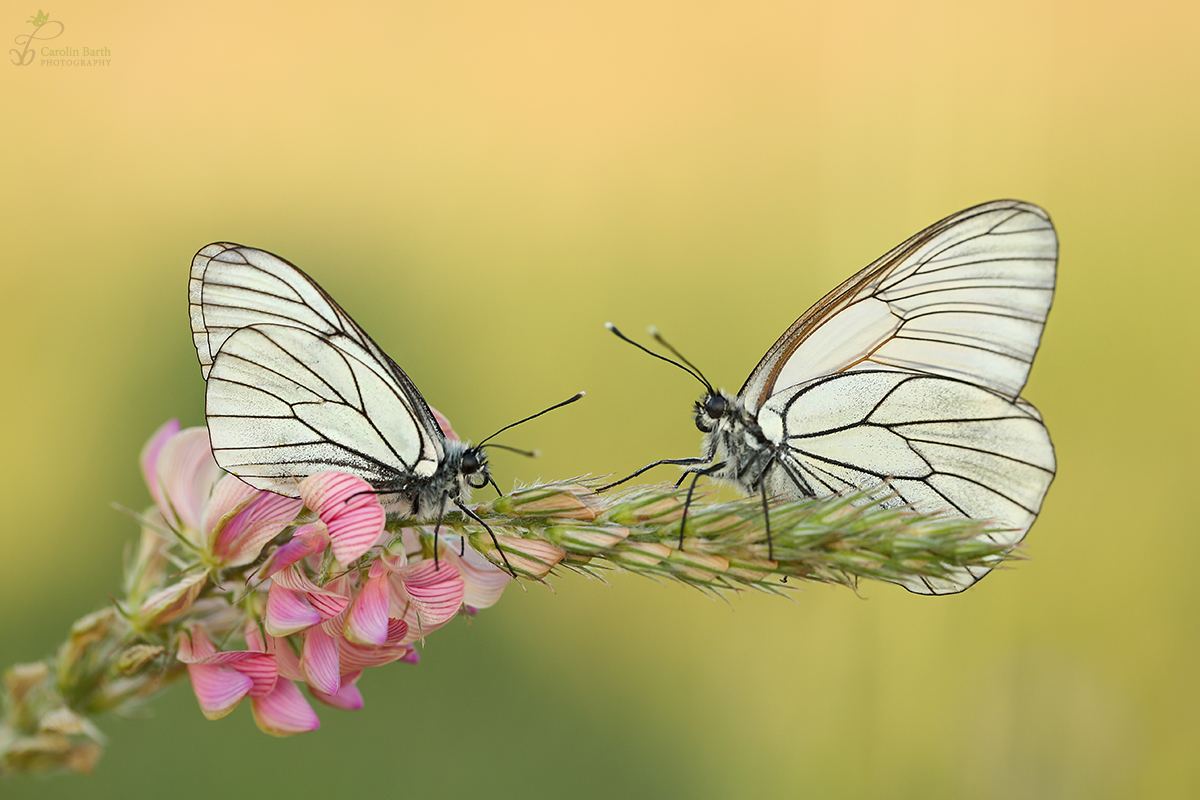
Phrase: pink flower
(283, 711)
(180, 472)
(323, 601)
(221, 679)
(295, 603)
(424, 596)
(483, 581)
(350, 510)
(227, 520)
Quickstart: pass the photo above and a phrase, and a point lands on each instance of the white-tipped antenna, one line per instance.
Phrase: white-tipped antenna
(566, 402)
(690, 369)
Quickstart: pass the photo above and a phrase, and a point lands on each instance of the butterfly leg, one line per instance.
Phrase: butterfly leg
(491, 533)
(762, 487)
(682, 462)
(437, 528)
(688, 502)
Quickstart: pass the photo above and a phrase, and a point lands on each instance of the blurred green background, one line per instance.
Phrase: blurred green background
(483, 185)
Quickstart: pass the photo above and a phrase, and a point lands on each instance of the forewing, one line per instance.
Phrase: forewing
(284, 402)
(942, 445)
(966, 298)
(233, 287)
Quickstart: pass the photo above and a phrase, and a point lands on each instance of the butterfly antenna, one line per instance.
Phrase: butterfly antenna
(517, 450)
(658, 337)
(695, 373)
(566, 402)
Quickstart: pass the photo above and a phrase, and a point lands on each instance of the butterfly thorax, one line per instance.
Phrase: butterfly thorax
(427, 497)
(734, 440)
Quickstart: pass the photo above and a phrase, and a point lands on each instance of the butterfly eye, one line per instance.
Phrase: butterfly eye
(714, 406)
(471, 462)
(709, 411)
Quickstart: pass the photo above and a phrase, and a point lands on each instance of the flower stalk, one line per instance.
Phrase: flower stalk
(725, 545)
(253, 596)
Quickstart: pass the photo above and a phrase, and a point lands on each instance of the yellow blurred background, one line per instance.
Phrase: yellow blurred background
(483, 185)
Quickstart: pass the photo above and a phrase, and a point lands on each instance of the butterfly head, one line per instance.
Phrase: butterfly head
(474, 467)
(709, 411)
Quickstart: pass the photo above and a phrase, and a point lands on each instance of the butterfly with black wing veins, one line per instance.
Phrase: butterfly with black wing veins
(906, 378)
(296, 387)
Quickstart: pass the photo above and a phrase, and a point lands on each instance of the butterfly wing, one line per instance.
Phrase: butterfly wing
(911, 371)
(292, 367)
(939, 444)
(966, 298)
(283, 403)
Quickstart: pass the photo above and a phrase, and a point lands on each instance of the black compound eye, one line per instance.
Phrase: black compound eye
(714, 406)
(471, 462)
(709, 411)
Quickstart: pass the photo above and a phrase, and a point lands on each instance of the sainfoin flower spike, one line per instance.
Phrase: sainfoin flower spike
(282, 600)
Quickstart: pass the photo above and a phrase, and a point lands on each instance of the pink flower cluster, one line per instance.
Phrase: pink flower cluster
(323, 593)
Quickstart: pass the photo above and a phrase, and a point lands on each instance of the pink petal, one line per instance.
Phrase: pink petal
(284, 711)
(397, 630)
(171, 601)
(435, 590)
(218, 688)
(354, 657)
(186, 475)
(307, 539)
(288, 611)
(348, 697)
(261, 669)
(228, 495)
(485, 581)
(240, 534)
(196, 649)
(286, 660)
(319, 661)
(149, 459)
(349, 509)
(444, 424)
(329, 602)
(367, 620)
(194, 645)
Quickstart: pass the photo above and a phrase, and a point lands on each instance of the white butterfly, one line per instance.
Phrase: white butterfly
(908, 374)
(296, 387)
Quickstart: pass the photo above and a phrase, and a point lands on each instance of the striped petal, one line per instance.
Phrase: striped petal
(367, 619)
(329, 602)
(307, 539)
(220, 679)
(348, 697)
(186, 475)
(288, 611)
(319, 661)
(284, 712)
(218, 688)
(149, 459)
(349, 509)
(430, 594)
(239, 535)
(485, 581)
